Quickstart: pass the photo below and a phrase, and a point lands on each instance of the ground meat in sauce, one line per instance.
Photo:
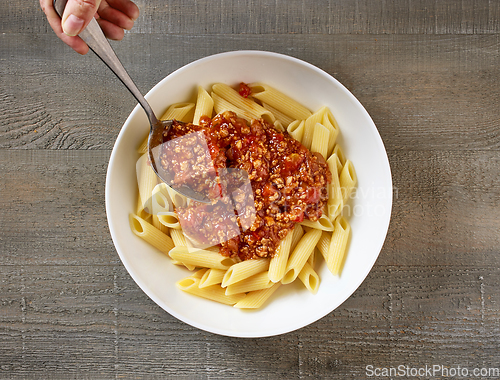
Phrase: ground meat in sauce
(288, 181)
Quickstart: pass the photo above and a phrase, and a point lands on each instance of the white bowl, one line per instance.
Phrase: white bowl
(292, 306)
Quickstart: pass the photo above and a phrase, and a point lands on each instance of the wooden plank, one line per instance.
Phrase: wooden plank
(288, 16)
(94, 320)
(54, 208)
(445, 208)
(423, 92)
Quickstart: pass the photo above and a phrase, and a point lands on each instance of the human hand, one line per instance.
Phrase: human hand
(114, 16)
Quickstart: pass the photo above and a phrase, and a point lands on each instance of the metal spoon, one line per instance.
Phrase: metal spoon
(97, 42)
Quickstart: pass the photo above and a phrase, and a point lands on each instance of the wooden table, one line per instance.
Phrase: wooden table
(428, 72)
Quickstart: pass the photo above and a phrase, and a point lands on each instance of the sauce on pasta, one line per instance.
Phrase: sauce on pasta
(288, 181)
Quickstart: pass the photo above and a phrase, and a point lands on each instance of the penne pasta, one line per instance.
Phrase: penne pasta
(178, 238)
(324, 244)
(160, 204)
(140, 210)
(277, 264)
(180, 241)
(147, 179)
(335, 201)
(178, 200)
(296, 129)
(348, 180)
(244, 269)
(204, 105)
(201, 258)
(178, 111)
(323, 223)
(276, 99)
(214, 292)
(248, 284)
(309, 126)
(309, 278)
(319, 143)
(150, 234)
(338, 244)
(199, 273)
(252, 108)
(212, 277)
(256, 299)
(169, 219)
(312, 259)
(256, 282)
(221, 105)
(340, 154)
(278, 126)
(280, 116)
(297, 234)
(143, 148)
(300, 255)
(332, 125)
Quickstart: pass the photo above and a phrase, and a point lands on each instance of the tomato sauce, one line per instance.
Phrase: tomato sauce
(288, 181)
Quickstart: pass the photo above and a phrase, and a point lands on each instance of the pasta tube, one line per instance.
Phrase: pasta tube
(204, 105)
(296, 129)
(323, 223)
(213, 292)
(348, 180)
(146, 178)
(319, 143)
(277, 264)
(201, 258)
(256, 282)
(212, 277)
(300, 255)
(338, 244)
(248, 105)
(309, 278)
(178, 111)
(256, 299)
(150, 234)
(243, 270)
(276, 99)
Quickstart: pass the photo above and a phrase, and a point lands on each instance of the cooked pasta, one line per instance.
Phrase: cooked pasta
(213, 292)
(243, 270)
(300, 255)
(249, 284)
(338, 244)
(280, 101)
(201, 258)
(257, 298)
(309, 278)
(277, 264)
(204, 105)
(256, 282)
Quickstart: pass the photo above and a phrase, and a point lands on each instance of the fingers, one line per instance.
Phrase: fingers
(76, 43)
(127, 7)
(111, 31)
(77, 15)
(115, 16)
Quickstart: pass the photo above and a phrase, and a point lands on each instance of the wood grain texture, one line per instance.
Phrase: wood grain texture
(427, 71)
(288, 16)
(447, 88)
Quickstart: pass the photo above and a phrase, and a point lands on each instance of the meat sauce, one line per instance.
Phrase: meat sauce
(288, 181)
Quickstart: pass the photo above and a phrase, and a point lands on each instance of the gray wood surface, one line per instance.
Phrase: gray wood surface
(428, 72)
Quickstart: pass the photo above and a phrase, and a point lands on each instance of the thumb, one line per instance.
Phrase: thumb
(77, 15)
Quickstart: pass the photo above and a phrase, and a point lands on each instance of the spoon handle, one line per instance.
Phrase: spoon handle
(98, 43)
